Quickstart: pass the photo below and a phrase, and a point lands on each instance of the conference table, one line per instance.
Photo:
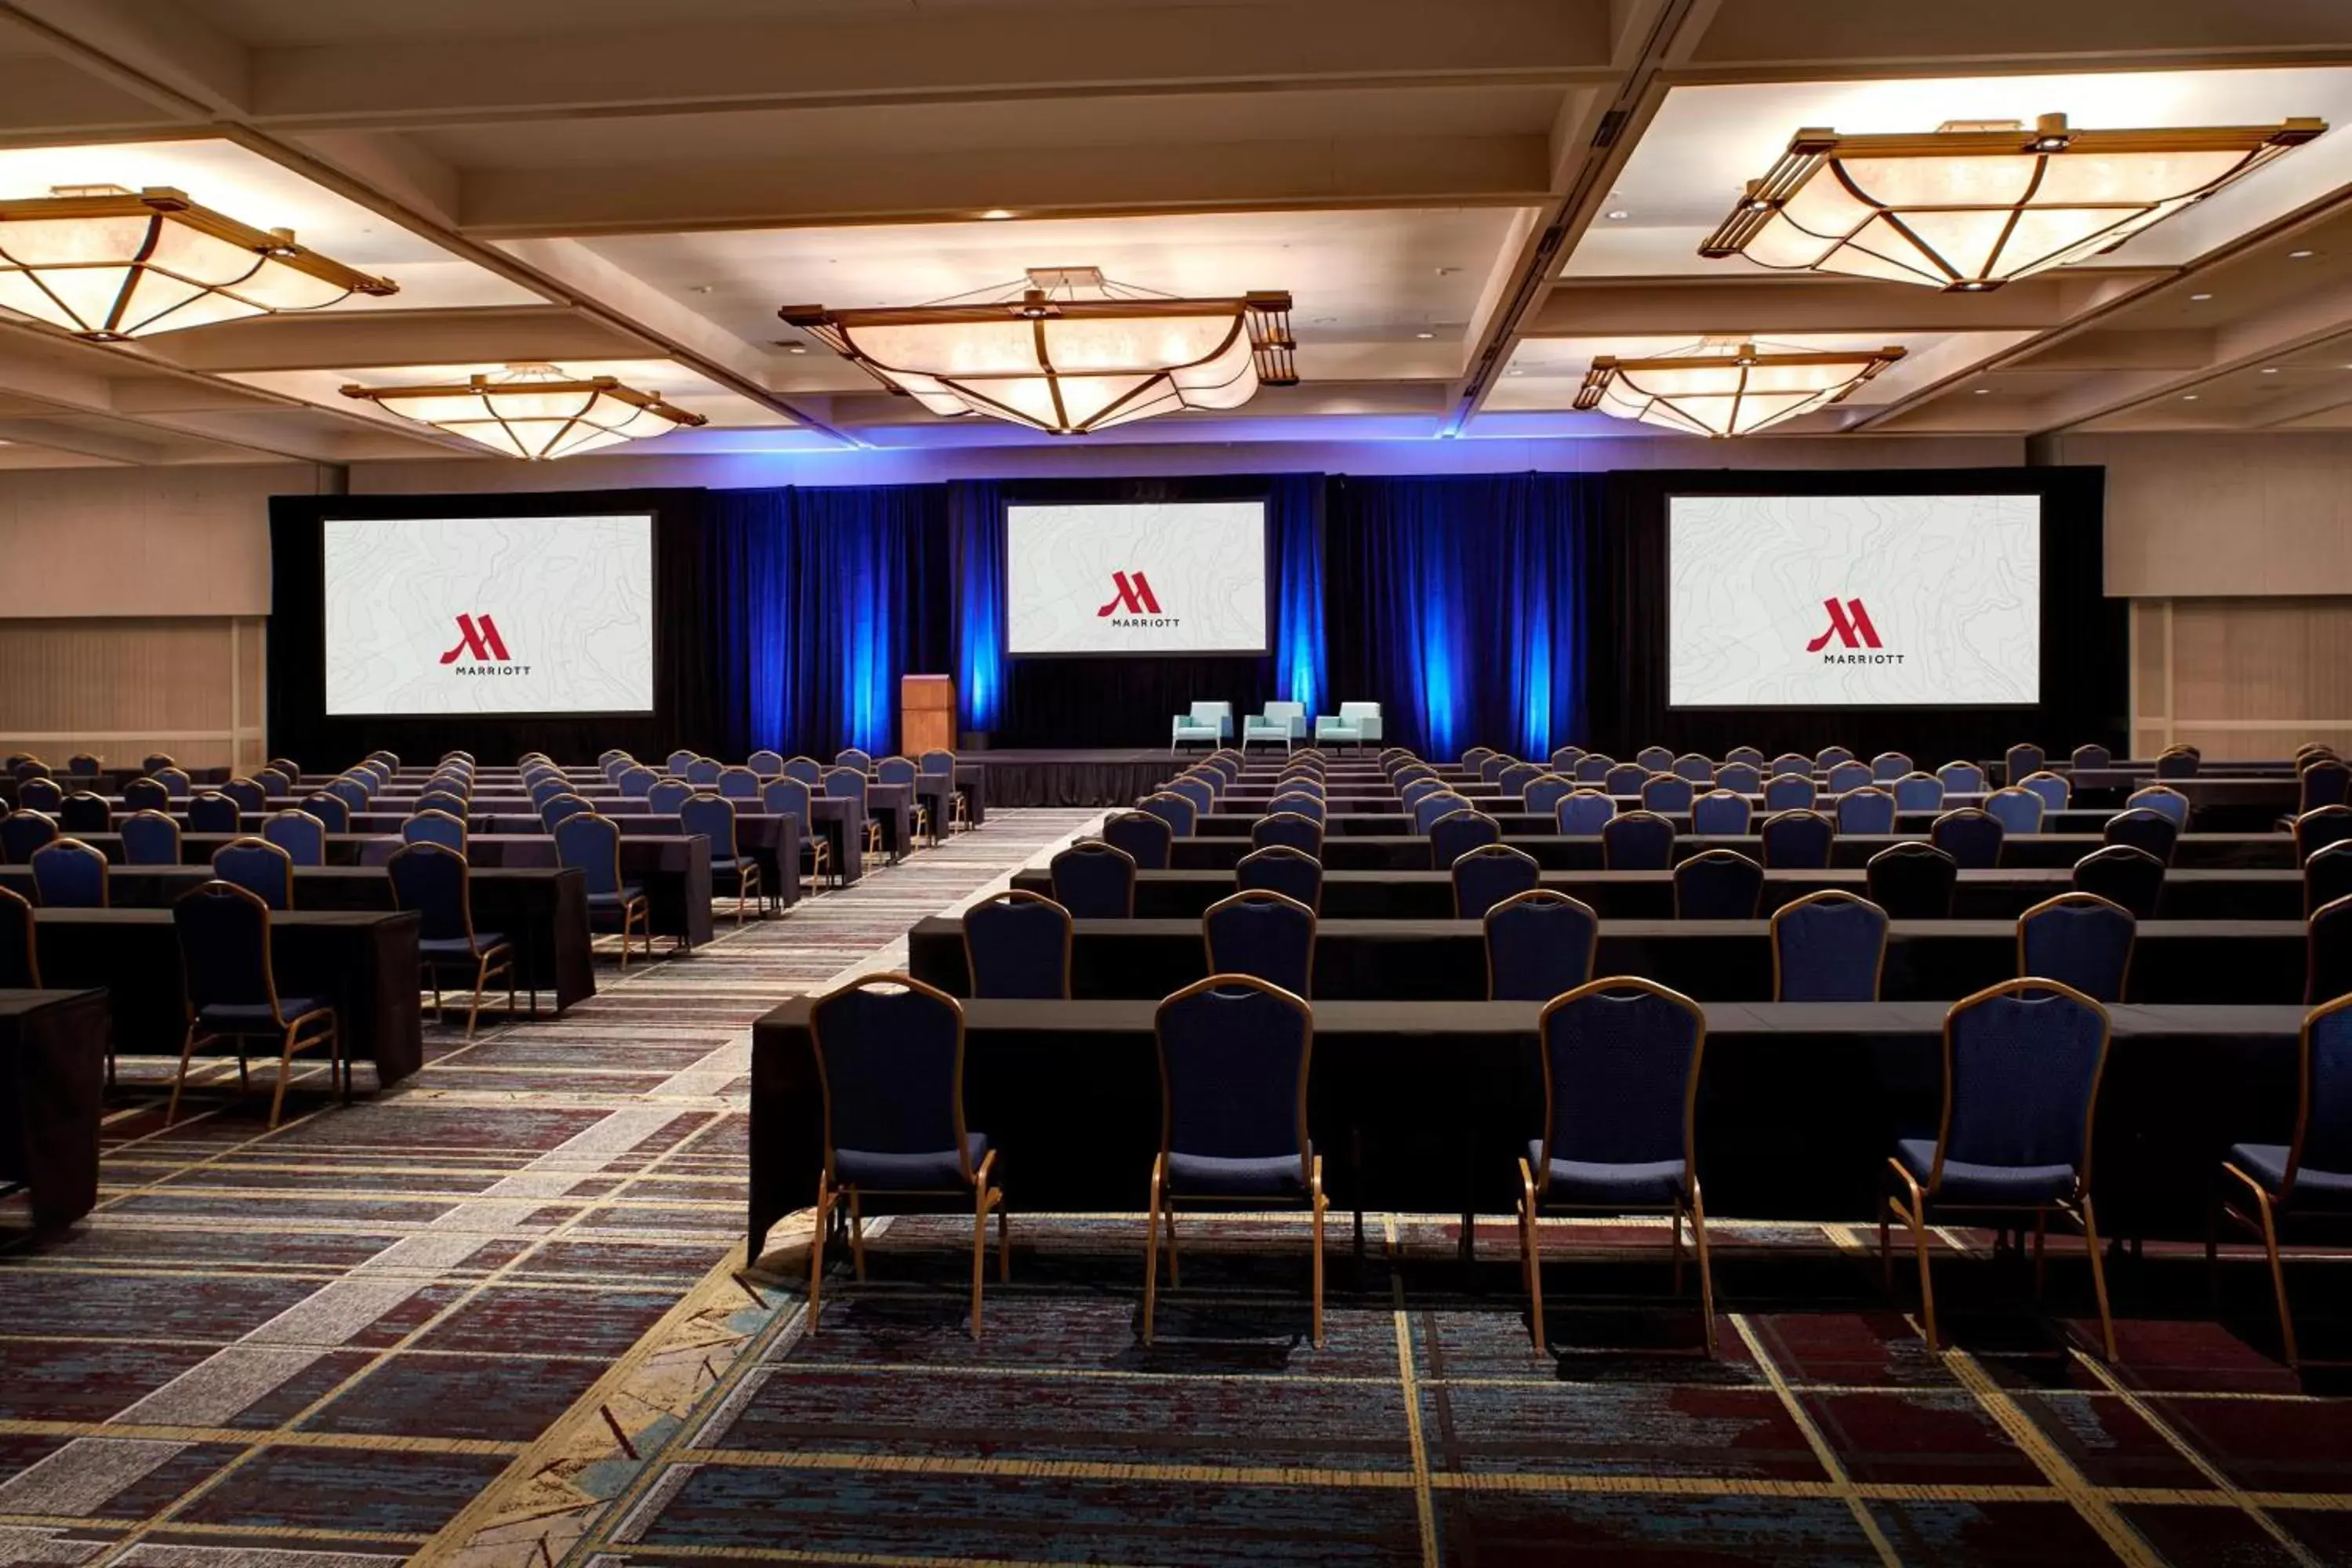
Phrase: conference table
(1800, 1104)
(365, 963)
(1560, 852)
(1516, 822)
(2000, 893)
(543, 911)
(53, 1048)
(1729, 960)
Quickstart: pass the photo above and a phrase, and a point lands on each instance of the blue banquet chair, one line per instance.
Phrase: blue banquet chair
(1918, 792)
(1888, 767)
(2089, 756)
(1017, 944)
(2052, 787)
(2265, 1184)
(1791, 763)
(302, 835)
(2142, 829)
(1970, 836)
(1454, 835)
(1544, 793)
(593, 844)
(1299, 803)
(23, 833)
(1146, 837)
(1869, 809)
(666, 798)
(82, 812)
(703, 773)
(231, 995)
(434, 880)
(2318, 828)
(1637, 841)
(1539, 944)
(2081, 941)
(69, 875)
(808, 770)
(1281, 869)
(1666, 794)
(1796, 840)
(1263, 934)
(764, 764)
(854, 757)
(1289, 827)
(2129, 877)
(211, 812)
(2019, 761)
(557, 807)
(152, 838)
(1747, 756)
(1832, 756)
(2162, 799)
(787, 796)
(1961, 778)
(1828, 946)
(1740, 778)
(332, 812)
(261, 867)
(1177, 812)
(1848, 775)
(1717, 885)
(1720, 813)
(1430, 807)
(1694, 768)
(1094, 880)
(740, 783)
(1625, 779)
(1655, 759)
(41, 795)
(2016, 810)
(1790, 792)
(1488, 875)
(713, 817)
(1593, 768)
(1912, 882)
(1584, 814)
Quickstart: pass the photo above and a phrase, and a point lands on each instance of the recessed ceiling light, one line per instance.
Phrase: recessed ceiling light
(995, 214)
(2299, 255)
(2188, 397)
(699, 288)
(1425, 334)
(1619, 215)
(2269, 370)
(796, 348)
(2200, 297)
(1984, 392)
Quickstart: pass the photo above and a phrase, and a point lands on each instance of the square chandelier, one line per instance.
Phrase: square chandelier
(534, 411)
(1722, 389)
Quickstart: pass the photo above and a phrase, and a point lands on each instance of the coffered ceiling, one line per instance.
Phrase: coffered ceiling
(1467, 201)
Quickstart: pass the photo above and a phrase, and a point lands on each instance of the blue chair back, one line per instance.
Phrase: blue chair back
(1918, 792)
(1962, 778)
(1235, 1055)
(896, 770)
(1264, 935)
(2078, 939)
(2134, 878)
(1565, 758)
(1492, 768)
(889, 1057)
(40, 794)
(432, 879)
(713, 817)
(1094, 881)
(332, 811)
(2052, 787)
(1593, 768)
(1430, 807)
(765, 763)
(808, 770)
(434, 828)
(24, 832)
(593, 844)
(1412, 792)
(846, 783)
(146, 794)
(1795, 763)
(1144, 835)
(2019, 761)
(1626, 778)
(1637, 841)
(546, 788)
(1017, 944)
(82, 812)
(1281, 869)
(273, 783)
(666, 796)
(261, 867)
(1788, 792)
(786, 797)
(1584, 814)
(2323, 1125)
(1539, 944)
(1888, 767)
(1488, 875)
(2022, 1067)
(69, 875)
(1620, 1061)
(1544, 793)
(248, 796)
(83, 766)
(1796, 840)
(150, 838)
(302, 835)
(2165, 801)
(1450, 837)
(1692, 767)
(1298, 803)
(1847, 776)
(703, 773)
(851, 757)
(1720, 812)
(2322, 783)
(2016, 810)
(1200, 792)
(1970, 836)
(1655, 759)
(1866, 810)
(1476, 757)
(1740, 778)
(1830, 756)
(2143, 829)
(2313, 830)
(1717, 885)
(738, 783)
(636, 782)
(347, 789)
(176, 782)
(2089, 756)
(1665, 794)
(1913, 882)
(1745, 756)
(1514, 780)
(2178, 763)
(560, 806)
(1828, 947)
(1289, 829)
(214, 812)
(225, 958)
(678, 762)
(938, 765)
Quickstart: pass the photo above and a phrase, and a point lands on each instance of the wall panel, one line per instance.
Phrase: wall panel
(2241, 676)
(190, 687)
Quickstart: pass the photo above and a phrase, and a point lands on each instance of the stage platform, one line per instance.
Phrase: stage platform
(1101, 775)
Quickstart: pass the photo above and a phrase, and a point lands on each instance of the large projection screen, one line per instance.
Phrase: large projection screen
(1854, 601)
(489, 614)
(1181, 577)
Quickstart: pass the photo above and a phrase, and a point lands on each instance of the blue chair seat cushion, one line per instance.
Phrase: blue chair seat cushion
(2266, 1162)
(458, 947)
(928, 1172)
(1645, 1182)
(251, 1016)
(731, 863)
(1220, 1176)
(630, 893)
(1966, 1183)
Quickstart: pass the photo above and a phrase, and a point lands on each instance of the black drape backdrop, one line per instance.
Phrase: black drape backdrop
(1521, 611)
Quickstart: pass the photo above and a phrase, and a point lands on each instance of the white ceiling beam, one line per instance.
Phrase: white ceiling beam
(64, 436)
(1763, 38)
(937, 55)
(1486, 171)
(1765, 302)
(45, 99)
(162, 43)
(355, 339)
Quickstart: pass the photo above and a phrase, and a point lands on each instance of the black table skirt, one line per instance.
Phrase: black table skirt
(1728, 960)
(2002, 894)
(1800, 1105)
(53, 1048)
(365, 963)
(1408, 852)
(543, 911)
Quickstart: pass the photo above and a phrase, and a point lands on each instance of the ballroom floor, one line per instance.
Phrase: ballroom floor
(500, 1316)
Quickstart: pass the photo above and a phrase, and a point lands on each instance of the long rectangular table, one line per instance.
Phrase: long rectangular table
(544, 910)
(1516, 823)
(1559, 852)
(365, 963)
(1938, 961)
(2001, 893)
(53, 1048)
(1800, 1104)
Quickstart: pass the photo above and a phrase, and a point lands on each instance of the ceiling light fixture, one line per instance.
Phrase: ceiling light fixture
(106, 264)
(997, 214)
(1728, 388)
(2198, 299)
(1067, 350)
(1974, 204)
(534, 411)
(2299, 255)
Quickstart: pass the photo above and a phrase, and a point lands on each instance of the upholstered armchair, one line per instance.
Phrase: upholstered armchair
(1355, 724)
(1203, 724)
(1283, 721)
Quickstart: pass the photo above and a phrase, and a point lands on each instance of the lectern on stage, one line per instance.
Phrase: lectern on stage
(926, 714)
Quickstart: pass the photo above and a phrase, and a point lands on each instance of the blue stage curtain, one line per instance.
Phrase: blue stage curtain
(1295, 517)
(976, 540)
(1458, 603)
(821, 599)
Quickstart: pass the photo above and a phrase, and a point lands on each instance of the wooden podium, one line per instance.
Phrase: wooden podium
(926, 714)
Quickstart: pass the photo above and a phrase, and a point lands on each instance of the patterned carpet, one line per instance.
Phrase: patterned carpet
(500, 1318)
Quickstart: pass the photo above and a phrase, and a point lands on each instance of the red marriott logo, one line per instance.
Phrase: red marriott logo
(1850, 624)
(481, 640)
(1132, 595)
